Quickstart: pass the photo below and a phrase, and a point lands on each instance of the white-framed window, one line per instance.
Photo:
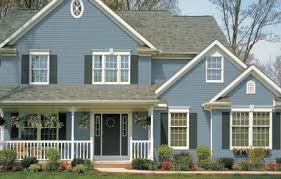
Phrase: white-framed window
(77, 8)
(251, 87)
(178, 128)
(39, 65)
(111, 67)
(215, 68)
(28, 132)
(251, 128)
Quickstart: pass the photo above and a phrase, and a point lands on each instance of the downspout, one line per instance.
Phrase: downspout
(211, 121)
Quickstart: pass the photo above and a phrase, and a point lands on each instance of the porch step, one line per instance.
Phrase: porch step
(113, 164)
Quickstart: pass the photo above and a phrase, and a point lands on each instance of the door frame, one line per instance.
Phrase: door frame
(92, 128)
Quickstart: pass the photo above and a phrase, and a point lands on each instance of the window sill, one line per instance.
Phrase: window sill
(208, 81)
(179, 148)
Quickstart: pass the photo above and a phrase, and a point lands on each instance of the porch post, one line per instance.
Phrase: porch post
(151, 113)
(72, 110)
(1, 131)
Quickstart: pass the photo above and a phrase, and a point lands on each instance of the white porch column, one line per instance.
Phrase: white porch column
(72, 110)
(1, 131)
(151, 113)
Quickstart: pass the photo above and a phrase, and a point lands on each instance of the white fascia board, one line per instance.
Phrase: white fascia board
(29, 24)
(81, 102)
(271, 85)
(194, 61)
(119, 20)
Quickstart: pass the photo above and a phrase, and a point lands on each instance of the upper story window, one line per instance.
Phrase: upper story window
(77, 8)
(251, 87)
(39, 67)
(215, 69)
(111, 68)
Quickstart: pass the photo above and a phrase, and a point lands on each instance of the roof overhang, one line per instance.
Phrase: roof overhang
(216, 105)
(8, 52)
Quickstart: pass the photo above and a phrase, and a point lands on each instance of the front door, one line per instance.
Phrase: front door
(111, 134)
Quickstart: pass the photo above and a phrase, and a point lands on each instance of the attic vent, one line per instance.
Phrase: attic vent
(251, 87)
(77, 8)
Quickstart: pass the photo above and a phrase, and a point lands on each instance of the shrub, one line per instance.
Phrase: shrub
(63, 166)
(278, 168)
(236, 167)
(166, 165)
(216, 166)
(143, 164)
(183, 162)
(164, 152)
(256, 155)
(34, 168)
(204, 164)
(76, 161)
(152, 166)
(271, 166)
(203, 153)
(52, 166)
(80, 168)
(228, 162)
(246, 165)
(278, 160)
(17, 167)
(53, 155)
(88, 164)
(7, 159)
(27, 161)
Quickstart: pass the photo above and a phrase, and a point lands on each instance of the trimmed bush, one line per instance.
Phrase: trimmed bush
(204, 164)
(166, 165)
(216, 166)
(7, 159)
(203, 153)
(86, 163)
(278, 160)
(77, 161)
(17, 167)
(143, 164)
(246, 165)
(53, 155)
(52, 166)
(228, 162)
(270, 166)
(182, 162)
(256, 155)
(27, 161)
(80, 168)
(278, 168)
(164, 152)
(34, 168)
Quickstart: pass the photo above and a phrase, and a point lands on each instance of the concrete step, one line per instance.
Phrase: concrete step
(113, 164)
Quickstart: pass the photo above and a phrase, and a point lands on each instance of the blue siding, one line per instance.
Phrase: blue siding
(263, 96)
(192, 90)
(163, 69)
(139, 133)
(144, 71)
(9, 71)
(71, 39)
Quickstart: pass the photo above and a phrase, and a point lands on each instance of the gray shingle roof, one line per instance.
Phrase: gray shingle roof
(168, 33)
(82, 92)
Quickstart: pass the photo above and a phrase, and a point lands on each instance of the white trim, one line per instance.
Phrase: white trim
(251, 82)
(38, 53)
(82, 9)
(222, 69)
(182, 109)
(122, 22)
(82, 102)
(195, 60)
(235, 82)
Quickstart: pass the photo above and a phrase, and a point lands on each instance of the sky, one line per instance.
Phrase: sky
(263, 50)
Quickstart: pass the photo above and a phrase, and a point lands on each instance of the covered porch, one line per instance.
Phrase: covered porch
(100, 130)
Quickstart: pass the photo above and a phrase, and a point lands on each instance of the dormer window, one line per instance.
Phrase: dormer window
(214, 68)
(251, 87)
(77, 8)
(39, 68)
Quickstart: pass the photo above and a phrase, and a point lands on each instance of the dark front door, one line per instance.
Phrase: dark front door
(111, 134)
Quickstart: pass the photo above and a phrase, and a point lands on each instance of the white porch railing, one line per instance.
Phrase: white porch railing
(82, 149)
(140, 149)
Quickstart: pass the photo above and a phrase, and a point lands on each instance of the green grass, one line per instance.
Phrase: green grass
(68, 175)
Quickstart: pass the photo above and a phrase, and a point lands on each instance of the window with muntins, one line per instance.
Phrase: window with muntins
(214, 69)
(111, 68)
(39, 68)
(178, 129)
(77, 8)
(251, 87)
(251, 129)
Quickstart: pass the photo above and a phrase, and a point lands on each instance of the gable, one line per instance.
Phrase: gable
(216, 46)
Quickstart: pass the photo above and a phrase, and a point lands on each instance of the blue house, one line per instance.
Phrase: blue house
(105, 85)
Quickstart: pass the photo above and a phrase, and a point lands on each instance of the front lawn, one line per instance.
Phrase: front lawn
(68, 175)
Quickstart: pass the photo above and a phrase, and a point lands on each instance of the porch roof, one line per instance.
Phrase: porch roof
(80, 94)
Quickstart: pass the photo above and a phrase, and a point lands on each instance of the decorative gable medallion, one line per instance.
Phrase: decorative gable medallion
(77, 8)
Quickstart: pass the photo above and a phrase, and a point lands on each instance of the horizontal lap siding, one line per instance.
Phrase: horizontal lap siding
(9, 71)
(144, 71)
(192, 90)
(71, 39)
(163, 69)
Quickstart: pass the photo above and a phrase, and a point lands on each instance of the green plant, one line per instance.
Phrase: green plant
(256, 155)
(84, 121)
(77, 161)
(182, 162)
(7, 158)
(278, 160)
(270, 166)
(216, 166)
(53, 155)
(246, 165)
(16, 167)
(143, 121)
(278, 168)
(203, 153)
(34, 168)
(166, 165)
(164, 152)
(204, 164)
(52, 166)
(143, 164)
(27, 161)
(80, 168)
(152, 166)
(88, 164)
(228, 162)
